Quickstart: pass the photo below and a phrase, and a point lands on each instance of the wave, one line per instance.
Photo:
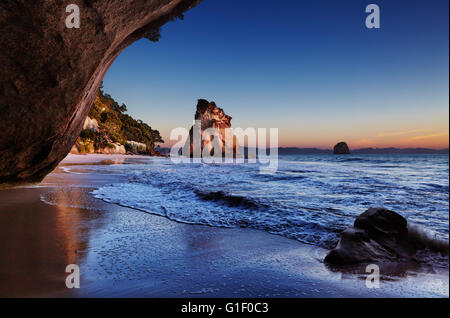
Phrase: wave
(350, 159)
(437, 186)
(424, 238)
(228, 199)
(311, 201)
(280, 177)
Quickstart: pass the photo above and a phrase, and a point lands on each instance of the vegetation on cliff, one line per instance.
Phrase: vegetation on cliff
(115, 127)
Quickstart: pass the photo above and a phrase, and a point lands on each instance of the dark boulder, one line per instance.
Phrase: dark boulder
(377, 234)
(341, 148)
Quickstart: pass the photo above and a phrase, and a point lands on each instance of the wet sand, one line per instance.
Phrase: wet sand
(127, 253)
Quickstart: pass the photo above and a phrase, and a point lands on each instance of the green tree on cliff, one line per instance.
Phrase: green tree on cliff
(117, 126)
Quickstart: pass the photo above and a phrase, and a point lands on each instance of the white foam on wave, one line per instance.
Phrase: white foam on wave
(310, 200)
(427, 238)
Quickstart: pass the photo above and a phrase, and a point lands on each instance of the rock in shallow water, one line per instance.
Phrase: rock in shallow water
(377, 234)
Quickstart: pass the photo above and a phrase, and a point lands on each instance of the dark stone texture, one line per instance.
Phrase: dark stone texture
(341, 148)
(211, 116)
(49, 74)
(377, 234)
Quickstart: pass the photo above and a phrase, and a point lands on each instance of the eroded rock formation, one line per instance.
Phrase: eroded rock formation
(382, 235)
(49, 74)
(208, 115)
(341, 148)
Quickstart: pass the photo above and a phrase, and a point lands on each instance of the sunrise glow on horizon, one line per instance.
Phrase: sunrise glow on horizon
(317, 84)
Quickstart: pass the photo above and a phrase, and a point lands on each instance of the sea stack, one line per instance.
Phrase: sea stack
(208, 115)
(341, 148)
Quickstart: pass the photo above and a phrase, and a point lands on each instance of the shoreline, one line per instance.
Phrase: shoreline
(126, 253)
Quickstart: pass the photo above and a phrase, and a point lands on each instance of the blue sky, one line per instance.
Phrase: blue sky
(309, 68)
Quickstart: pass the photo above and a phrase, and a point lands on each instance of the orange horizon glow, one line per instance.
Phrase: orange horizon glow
(435, 141)
(418, 132)
(432, 140)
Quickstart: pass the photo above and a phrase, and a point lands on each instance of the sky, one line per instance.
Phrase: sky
(312, 69)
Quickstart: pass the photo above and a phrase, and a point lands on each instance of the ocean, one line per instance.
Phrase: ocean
(310, 198)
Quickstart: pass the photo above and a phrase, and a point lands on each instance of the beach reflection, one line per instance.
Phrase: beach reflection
(38, 240)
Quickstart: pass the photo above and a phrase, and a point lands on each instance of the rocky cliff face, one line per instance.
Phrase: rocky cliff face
(82, 147)
(91, 123)
(49, 74)
(211, 116)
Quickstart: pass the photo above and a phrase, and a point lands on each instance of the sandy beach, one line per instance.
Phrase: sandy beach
(124, 252)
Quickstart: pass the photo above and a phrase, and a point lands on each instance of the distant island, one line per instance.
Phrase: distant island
(341, 148)
(109, 130)
(391, 150)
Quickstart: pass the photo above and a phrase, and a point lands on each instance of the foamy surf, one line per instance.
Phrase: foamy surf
(310, 199)
(427, 239)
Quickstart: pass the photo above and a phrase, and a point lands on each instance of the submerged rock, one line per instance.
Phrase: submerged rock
(341, 148)
(380, 234)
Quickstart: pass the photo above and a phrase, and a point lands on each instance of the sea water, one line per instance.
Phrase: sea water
(310, 198)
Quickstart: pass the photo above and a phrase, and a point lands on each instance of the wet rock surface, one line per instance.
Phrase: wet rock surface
(380, 234)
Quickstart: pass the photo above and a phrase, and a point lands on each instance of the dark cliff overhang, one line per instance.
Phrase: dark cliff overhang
(50, 74)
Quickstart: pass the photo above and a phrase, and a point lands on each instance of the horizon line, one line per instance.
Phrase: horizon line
(360, 148)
